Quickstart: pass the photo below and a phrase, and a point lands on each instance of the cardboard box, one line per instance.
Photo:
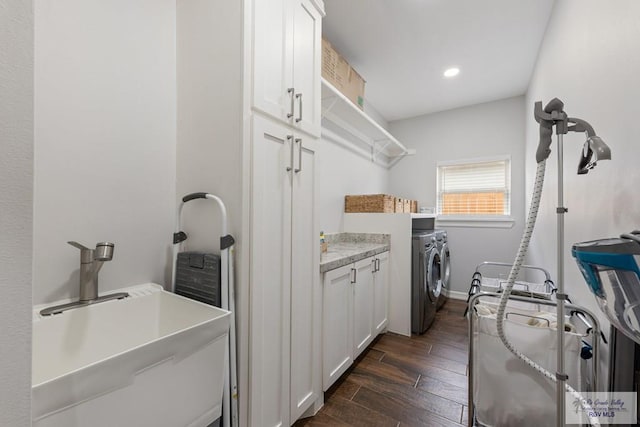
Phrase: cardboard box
(354, 89)
(337, 71)
(335, 68)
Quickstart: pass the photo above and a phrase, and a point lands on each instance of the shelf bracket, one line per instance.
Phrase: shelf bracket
(366, 154)
(334, 100)
(396, 159)
(375, 151)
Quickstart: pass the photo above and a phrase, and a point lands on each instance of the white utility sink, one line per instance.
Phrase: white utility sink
(152, 359)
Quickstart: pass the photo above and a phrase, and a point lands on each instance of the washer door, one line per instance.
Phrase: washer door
(445, 265)
(432, 270)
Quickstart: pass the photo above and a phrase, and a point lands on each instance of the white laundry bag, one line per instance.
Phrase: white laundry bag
(508, 392)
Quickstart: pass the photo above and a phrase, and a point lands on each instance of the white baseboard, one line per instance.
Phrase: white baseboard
(456, 295)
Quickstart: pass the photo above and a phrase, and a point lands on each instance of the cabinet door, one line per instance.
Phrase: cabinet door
(307, 57)
(270, 274)
(381, 293)
(273, 58)
(337, 320)
(363, 306)
(306, 298)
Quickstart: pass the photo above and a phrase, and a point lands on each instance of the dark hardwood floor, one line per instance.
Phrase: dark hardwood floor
(401, 381)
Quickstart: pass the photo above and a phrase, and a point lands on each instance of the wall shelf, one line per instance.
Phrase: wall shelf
(350, 122)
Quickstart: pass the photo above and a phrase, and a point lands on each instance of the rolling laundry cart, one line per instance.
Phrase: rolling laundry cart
(226, 297)
(482, 281)
(505, 391)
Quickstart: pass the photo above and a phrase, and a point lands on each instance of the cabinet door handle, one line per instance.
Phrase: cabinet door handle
(291, 92)
(373, 266)
(299, 96)
(290, 139)
(377, 264)
(353, 270)
(299, 168)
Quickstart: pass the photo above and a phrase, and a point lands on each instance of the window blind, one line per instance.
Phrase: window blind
(474, 188)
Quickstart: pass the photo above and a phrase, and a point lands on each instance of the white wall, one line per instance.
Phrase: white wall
(210, 146)
(343, 172)
(589, 59)
(16, 200)
(105, 133)
(211, 133)
(484, 130)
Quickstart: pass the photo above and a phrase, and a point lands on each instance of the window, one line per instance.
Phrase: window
(474, 187)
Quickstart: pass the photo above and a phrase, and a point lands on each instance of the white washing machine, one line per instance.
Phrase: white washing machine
(445, 264)
(426, 283)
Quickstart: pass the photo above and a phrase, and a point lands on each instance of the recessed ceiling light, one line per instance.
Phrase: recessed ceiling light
(451, 72)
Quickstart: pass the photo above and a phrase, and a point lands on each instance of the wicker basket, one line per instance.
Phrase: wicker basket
(414, 206)
(373, 203)
(399, 205)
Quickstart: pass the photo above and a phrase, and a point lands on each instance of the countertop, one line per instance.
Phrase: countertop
(347, 248)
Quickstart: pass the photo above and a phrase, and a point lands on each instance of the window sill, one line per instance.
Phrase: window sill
(475, 221)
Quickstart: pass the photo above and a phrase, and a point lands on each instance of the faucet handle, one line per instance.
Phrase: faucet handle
(79, 246)
(86, 254)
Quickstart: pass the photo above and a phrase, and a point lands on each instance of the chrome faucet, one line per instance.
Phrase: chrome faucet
(91, 261)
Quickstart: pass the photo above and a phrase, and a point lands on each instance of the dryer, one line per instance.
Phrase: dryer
(445, 264)
(426, 283)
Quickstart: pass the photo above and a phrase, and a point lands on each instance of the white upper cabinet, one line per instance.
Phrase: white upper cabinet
(273, 58)
(287, 60)
(307, 58)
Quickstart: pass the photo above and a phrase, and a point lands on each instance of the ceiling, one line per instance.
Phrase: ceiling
(402, 47)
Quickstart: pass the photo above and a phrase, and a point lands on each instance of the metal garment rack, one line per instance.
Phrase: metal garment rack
(476, 280)
(585, 316)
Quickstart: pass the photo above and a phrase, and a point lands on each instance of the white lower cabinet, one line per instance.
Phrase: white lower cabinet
(286, 295)
(381, 293)
(337, 316)
(355, 311)
(363, 305)
(306, 296)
